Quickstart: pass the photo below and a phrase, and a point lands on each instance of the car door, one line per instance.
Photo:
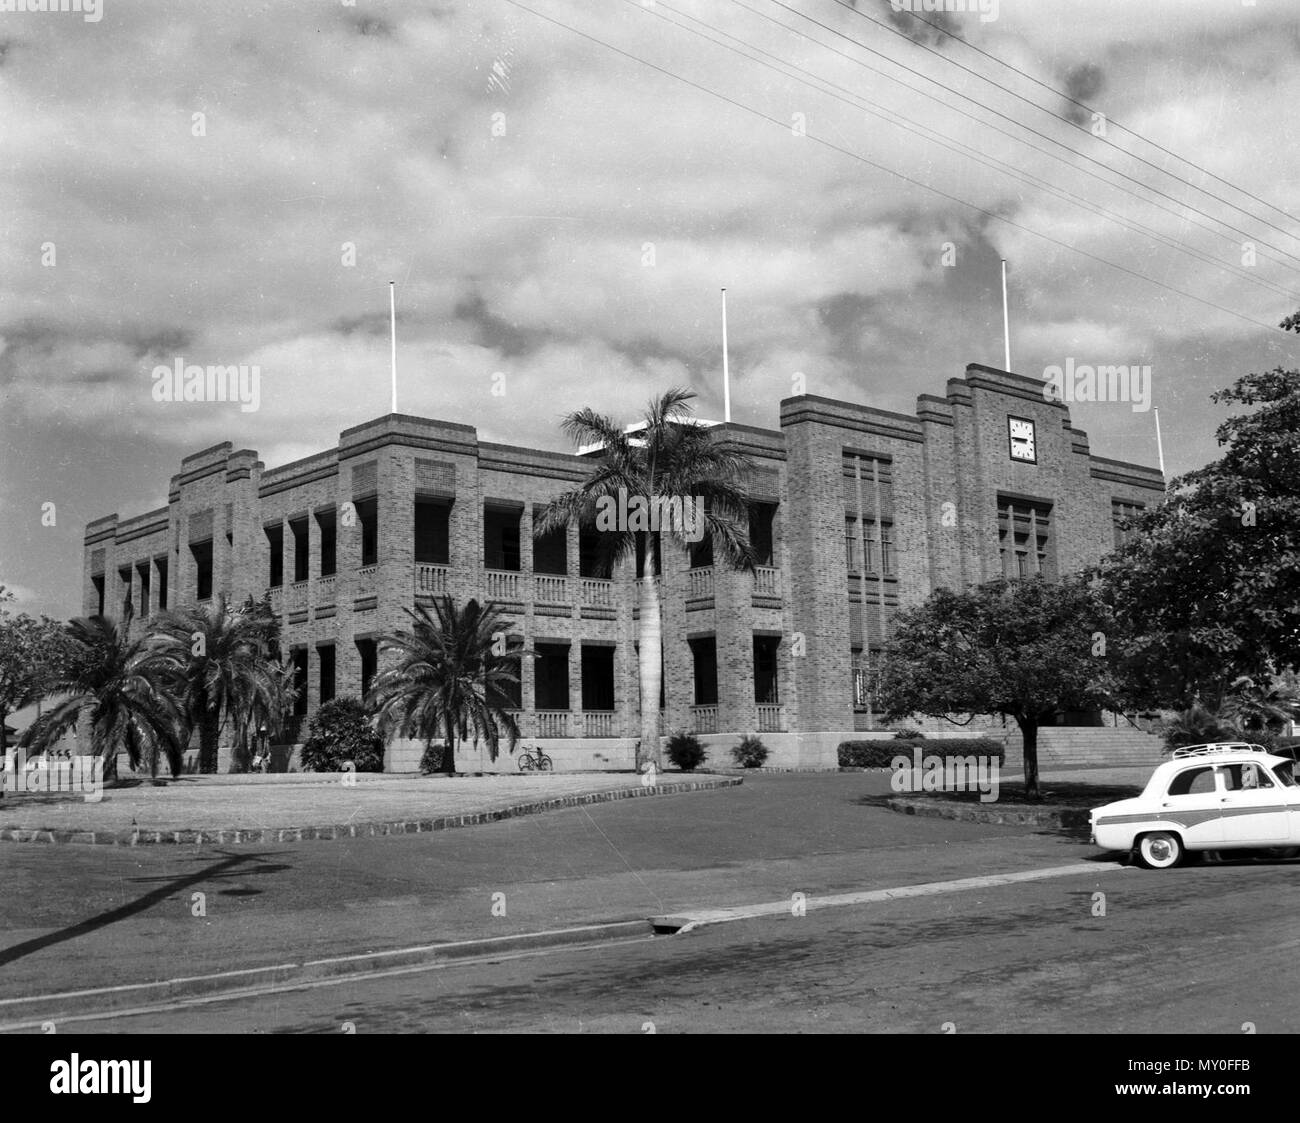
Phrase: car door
(1191, 802)
(1253, 805)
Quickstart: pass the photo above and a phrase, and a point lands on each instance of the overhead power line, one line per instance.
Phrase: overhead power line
(785, 125)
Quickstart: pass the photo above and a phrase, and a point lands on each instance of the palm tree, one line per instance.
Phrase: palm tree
(668, 458)
(450, 679)
(231, 672)
(126, 692)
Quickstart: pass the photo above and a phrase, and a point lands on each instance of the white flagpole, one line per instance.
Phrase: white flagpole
(392, 320)
(726, 373)
(1160, 447)
(1006, 320)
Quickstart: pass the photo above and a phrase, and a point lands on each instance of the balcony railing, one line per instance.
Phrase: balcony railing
(597, 593)
(552, 723)
(366, 576)
(598, 723)
(502, 584)
(550, 589)
(701, 582)
(705, 718)
(325, 590)
(430, 580)
(765, 580)
(277, 599)
(297, 596)
(771, 719)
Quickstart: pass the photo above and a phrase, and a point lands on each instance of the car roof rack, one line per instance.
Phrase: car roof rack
(1218, 747)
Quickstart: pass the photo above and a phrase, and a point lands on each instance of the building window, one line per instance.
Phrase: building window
(98, 581)
(501, 539)
(298, 528)
(877, 543)
(701, 552)
(766, 686)
(762, 524)
(1123, 514)
(275, 541)
(551, 676)
(510, 695)
(142, 571)
(329, 554)
(325, 657)
(594, 553)
(597, 677)
(368, 523)
(368, 652)
(551, 550)
(433, 531)
(202, 554)
(161, 563)
(1026, 547)
(300, 681)
(704, 654)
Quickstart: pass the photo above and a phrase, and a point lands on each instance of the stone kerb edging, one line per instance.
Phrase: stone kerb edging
(1061, 817)
(144, 837)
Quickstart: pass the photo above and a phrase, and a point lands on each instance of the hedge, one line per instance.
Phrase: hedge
(880, 754)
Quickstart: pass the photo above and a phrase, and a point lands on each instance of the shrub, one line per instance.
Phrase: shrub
(340, 732)
(685, 751)
(750, 753)
(1197, 726)
(431, 759)
(879, 754)
(909, 735)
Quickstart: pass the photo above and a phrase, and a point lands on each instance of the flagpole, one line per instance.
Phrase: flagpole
(1006, 321)
(726, 373)
(1160, 447)
(392, 323)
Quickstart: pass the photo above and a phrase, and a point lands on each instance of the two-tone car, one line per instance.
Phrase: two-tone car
(1215, 797)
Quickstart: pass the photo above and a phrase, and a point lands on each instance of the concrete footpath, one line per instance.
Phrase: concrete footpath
(77, 918)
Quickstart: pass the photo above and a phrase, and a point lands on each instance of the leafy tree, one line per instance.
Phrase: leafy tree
(1208, 588)
(668, 457)
(232, 675)
(339, 733)
(32, 654)
(124, 689)
(1026, 648)
(449, 679)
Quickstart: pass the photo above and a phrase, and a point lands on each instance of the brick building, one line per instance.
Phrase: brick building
(857, 512)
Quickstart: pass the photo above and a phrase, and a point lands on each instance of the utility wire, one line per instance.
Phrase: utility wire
(1020, 124)
(1083, 105)
(784, 126)
(901, 121)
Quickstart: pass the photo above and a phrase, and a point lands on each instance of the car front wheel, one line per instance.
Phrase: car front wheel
(1160, 850)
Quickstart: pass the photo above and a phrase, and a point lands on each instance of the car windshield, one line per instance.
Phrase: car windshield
(1285, 774)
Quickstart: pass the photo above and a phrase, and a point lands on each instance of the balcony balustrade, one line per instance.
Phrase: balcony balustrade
(550, 589)
(552, 723)
(597, 593)
(502, 584)
(766, 580)
(430, 580)
(771, 719)
(366, 577)
(325, 590)
(598, 723)
(705, 719)
(701, 582)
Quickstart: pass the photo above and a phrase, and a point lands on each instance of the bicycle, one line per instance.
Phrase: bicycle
(534, 759)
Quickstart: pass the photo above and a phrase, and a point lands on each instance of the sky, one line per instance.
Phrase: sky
(560, 195)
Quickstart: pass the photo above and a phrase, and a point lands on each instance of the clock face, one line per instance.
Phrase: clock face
(1020, 435)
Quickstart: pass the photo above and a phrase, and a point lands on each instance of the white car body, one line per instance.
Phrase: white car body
(1207, 797)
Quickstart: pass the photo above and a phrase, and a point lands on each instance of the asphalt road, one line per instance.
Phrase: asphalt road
(1202, 951)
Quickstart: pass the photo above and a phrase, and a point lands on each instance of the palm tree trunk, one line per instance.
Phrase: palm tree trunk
(449, 749)
(209, 734)
(650, 658)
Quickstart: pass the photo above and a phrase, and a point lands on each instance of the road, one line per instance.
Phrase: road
(1203, 949)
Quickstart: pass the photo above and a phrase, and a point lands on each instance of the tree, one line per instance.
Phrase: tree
(450, 679)
(1207, 590)
(32, 654)
(662, 466)
(1026, 648)
(231, 672)
(125, 691)
(340, 733)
